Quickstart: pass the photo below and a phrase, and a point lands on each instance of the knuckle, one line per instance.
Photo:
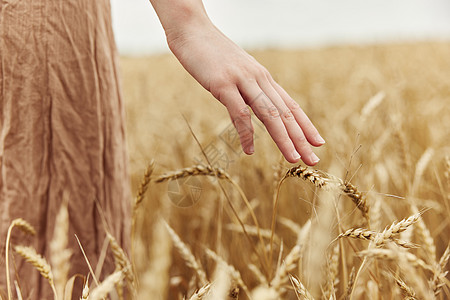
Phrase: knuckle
(260, 72)
(288, 116)
(293, 106)
(271, 113)
(243, 114)
(218, 88)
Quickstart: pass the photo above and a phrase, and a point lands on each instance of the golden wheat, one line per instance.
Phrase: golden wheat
(40, 263)
(300, 290)
(59, 252)
(106, 287)
(187, 255)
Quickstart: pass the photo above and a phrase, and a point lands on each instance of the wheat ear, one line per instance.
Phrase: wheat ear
(440, 274)
(235, 274)
(300, 289)
(332, 271)
(357, 197)
(122, 262)
(389, 234)
(323, 180)
(85, 292)
(221, 174)
(394, 255)
(59, 253)
(407, 291)
(187, 255)
(198, 170)
(289, 264)
(198, 295)
(351, 284)
(426, 236)
(25, 227)
(108, 285)
(144, 184)
(141, 194)
(40, 263)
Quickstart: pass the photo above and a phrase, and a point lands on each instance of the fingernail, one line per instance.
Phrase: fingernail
(314, 158)
(295, 155)
(251, 150)
(320, 140)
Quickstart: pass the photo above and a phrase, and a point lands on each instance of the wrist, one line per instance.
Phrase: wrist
(186, 17)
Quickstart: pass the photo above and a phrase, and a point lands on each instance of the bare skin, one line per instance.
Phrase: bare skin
(237, 80)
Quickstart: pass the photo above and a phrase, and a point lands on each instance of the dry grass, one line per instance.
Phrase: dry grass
(379, 107)
(383, 111)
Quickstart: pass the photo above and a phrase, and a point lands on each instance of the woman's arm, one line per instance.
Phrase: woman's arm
(237, 80)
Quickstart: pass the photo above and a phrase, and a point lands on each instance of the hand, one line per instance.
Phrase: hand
(238, 81)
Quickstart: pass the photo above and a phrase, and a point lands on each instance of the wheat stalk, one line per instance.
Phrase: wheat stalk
(395, 255)
(258, 274)
(368, 235)
(25, 227)
(423, 232)
(122, 262)
(141, 194)
(371, 105)
(198, 295)
(445, 257)
(421, 166)
(144, 184)
(407, 291)
(308, 174)
(251, 230)
(85, 292)
(221, 174)
(35, 259)
(323, 180)
(198, 170)
(187, 255)
(18, 292)
(447, 174)
(357, 197)
(107, 286)
(221, 283)
(375, 215)
(235, 274)
(440, 274)
(389, 234)
(300, 289)
(59, 253)
(351, 284)
(289, 224)
(398, 227)
(332, 271)
(289, 264)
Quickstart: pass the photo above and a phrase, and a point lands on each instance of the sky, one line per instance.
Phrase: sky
(259, 24)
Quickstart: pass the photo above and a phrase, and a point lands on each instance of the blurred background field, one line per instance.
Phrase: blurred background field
(384, 112)
(373, 76)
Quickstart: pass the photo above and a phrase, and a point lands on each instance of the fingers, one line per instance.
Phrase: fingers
(240, 116)
(294, 130)
(302, 119)
(269, 114)
(287, 124)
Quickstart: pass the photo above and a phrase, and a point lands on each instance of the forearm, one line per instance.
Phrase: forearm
(237, 80)
(179, 16)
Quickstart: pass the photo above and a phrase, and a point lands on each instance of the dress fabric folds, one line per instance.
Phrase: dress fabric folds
(61, 134)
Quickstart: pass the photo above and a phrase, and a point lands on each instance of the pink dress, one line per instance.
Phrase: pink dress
(62, 131)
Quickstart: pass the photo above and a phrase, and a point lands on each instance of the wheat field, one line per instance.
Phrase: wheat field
(370, 221)
(384, 113)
